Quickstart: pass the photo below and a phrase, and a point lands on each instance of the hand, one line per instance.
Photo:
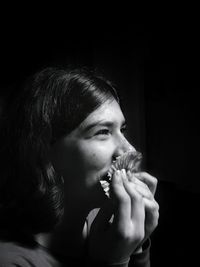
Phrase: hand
(114, 242)
(146, 186)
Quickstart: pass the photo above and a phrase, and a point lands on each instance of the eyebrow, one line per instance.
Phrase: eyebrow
(101, 123)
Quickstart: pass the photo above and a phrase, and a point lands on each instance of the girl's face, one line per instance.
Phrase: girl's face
(86, 154)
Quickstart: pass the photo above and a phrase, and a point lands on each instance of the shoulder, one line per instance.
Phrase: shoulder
(13, 254)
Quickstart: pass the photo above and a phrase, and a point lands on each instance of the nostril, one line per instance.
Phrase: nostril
(114, 158)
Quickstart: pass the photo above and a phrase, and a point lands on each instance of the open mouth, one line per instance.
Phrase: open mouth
(130, 161)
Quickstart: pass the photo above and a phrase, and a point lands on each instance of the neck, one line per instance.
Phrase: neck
(70, 236)
(44, 239)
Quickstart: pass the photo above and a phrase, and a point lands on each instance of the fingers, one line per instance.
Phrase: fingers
(148, 179)
(151, 206)
(143, 190)
(152, 212)
(130, 202)
(140, 186)
(137, 205)
(122, 199)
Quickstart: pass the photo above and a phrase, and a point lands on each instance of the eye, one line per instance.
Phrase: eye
(103, 132)
(124, 129)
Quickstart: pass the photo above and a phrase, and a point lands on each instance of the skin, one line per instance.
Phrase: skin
(84, 155)
(82, 158)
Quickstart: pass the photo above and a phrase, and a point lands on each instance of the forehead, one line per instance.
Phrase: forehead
(110, 110)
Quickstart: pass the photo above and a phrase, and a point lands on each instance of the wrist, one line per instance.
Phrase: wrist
(138, 250)
(110, 264)
(144, 246)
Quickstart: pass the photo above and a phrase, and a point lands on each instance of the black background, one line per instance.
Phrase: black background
(156, 68)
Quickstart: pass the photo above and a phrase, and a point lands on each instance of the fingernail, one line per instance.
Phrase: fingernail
(129, 175)
(123, 172)
(117, 175)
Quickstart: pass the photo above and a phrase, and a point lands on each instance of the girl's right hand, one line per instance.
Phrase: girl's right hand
(114, 242)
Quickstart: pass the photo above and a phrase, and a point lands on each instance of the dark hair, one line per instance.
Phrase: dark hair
(51, 104)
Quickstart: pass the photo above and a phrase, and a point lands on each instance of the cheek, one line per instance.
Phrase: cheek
(84, 161)
(95, 160)
(97, 156)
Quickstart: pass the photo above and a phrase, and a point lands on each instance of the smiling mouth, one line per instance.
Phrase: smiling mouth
(130, 161)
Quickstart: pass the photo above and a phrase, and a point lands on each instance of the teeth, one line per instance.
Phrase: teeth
(104, 184)
(106, 189)
(107, 194)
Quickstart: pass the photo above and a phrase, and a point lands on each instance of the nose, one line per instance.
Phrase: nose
(123, 146)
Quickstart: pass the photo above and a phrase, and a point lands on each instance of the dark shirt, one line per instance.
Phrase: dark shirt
(30, 254)
(15, 254)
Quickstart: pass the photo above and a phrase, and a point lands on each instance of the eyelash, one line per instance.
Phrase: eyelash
(103, 132)
(106, 131)
(124, 129)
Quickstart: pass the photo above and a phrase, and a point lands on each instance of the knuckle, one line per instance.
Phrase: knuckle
(145, 186)
(156, 206)
(156, 221)
(124, 234)
(139, 235)
(154, 181)
(129, 235)
(158, 216)
(140, 199)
